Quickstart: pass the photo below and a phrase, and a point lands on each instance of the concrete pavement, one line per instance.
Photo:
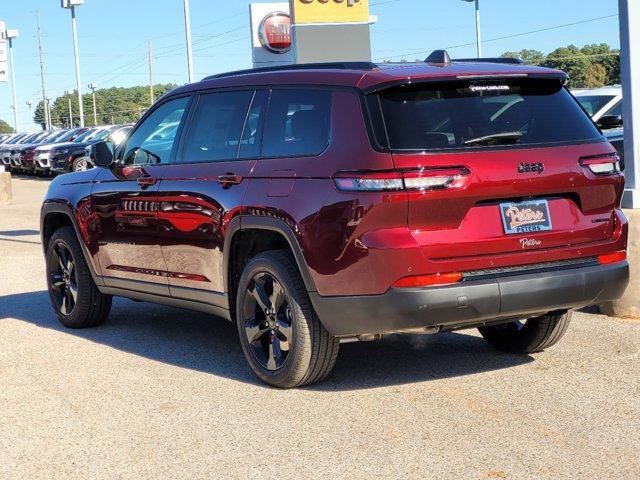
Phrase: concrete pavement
(165, 393)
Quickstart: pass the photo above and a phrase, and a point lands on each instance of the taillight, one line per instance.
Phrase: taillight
(602, 164)
(368, 181)
(609, 258)
(422, 180)
(435, 280)
(435, 178)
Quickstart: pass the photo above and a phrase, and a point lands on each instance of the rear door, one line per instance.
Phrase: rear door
(125, 202)
(203, 190)
(500, 166)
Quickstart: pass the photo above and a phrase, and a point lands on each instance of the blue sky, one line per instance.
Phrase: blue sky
(113, 35)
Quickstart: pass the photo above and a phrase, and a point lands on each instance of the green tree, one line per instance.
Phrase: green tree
(113, 105)
(5, 127)
(572, 61)
(530, 57)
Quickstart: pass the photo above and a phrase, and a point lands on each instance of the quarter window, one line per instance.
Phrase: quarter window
(216, 127)
(297, 123)
(153, 141)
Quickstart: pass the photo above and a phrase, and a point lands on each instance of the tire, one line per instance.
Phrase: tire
(88, 307)
(533, 335)
(80, 164)
(292, 323)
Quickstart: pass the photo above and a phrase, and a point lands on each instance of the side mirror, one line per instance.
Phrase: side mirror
(101, 154)
(610, 121)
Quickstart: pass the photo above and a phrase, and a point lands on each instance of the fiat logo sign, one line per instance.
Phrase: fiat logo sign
(275, 32)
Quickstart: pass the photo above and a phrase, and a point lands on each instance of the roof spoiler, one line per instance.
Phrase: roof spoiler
(442, 57)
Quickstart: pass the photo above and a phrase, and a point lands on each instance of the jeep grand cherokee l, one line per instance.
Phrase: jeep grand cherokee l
(319, 204)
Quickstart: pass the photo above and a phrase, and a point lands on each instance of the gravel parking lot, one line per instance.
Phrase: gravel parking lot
(159, 392)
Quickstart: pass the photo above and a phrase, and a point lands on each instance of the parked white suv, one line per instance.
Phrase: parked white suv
(601, 102)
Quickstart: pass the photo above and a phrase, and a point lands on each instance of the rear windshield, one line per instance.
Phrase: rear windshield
(475, 115)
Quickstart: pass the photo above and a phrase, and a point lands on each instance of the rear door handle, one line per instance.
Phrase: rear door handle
(229, 179)
(146, 182)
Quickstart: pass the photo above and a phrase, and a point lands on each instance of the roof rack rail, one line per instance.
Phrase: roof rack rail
(507, 60)
(299, 66)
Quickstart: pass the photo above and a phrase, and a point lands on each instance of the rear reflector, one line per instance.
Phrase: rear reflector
(609, 258)
(421, 180)
(429, 280)
(602, 164)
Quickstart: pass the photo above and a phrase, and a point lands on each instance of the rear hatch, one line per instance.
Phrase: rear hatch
(499, 165)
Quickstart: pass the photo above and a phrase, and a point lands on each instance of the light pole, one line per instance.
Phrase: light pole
(71, 5)
(10, 35)
(478, 36)
(67, 93)
(187, 32)
(92, 87)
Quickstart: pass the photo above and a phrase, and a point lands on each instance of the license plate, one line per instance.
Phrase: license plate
(525, 217)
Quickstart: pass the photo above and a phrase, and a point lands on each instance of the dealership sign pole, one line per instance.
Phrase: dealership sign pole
(72, 4)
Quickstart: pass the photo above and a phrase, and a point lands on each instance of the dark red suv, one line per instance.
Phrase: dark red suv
(319, 204)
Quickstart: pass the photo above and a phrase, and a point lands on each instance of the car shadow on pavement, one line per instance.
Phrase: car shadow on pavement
(204, 343)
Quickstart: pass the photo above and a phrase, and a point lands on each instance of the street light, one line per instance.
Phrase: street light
(10, 35)
(187, 32)
(67, 94)
(478, 37)
(92, 87)
(71, 5)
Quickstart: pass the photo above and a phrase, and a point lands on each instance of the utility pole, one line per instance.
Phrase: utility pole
(67, 93)
(187, 31)
(93, 87)
(151, 96)
(45, 106)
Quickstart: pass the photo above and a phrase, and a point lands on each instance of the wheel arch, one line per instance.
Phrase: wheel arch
(55, 215)
(278, 235)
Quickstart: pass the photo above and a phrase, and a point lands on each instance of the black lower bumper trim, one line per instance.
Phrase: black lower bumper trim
(472, 303)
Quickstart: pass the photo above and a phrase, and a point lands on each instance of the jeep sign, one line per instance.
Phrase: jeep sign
(330, 11)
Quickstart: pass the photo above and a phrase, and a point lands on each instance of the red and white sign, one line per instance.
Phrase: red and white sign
(275, 32)
(271, 34)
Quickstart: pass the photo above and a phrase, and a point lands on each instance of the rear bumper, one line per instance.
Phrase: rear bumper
(473, 302)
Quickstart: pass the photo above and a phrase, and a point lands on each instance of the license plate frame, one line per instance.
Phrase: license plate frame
(527, 217)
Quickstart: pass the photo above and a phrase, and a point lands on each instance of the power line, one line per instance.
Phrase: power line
(581, 22)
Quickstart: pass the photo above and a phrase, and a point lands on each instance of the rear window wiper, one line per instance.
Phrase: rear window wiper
(504, 137)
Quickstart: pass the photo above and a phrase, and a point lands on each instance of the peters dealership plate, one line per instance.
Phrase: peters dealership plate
(525, 217)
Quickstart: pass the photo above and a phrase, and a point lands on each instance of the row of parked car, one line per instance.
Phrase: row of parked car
(51, 152)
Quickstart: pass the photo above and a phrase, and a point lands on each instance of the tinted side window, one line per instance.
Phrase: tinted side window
(250, 145)
(152, 142)
(297, 123)
(217, 126)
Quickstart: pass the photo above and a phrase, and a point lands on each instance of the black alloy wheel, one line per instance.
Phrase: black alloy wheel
(75, 298)
(268, 321)
(281, 336)
(64, 285)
